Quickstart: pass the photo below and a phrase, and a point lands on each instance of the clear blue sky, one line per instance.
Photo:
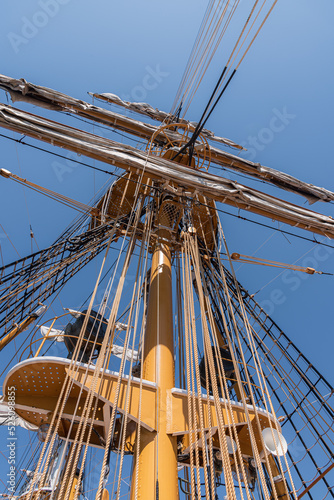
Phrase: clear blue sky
(106, 46)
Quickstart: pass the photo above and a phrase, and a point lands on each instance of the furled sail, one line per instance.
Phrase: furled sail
(189, 180)
(20, 90)
(146, 109)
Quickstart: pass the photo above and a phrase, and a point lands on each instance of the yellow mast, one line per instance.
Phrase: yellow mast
(156, 470)
(21, 327)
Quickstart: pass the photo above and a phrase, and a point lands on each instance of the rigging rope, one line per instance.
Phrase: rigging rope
(77, 205)
(211, 33)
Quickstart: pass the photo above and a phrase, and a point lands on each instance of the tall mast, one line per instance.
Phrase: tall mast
(157, 465)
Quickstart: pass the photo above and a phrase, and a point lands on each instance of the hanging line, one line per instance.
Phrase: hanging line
(77, 205)
(200, 125)
(252, 18)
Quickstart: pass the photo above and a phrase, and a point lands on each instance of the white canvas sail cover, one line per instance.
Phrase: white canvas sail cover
(130, 354)
(116, 350)
(9, 417)
(52, 333)
(73, 312)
